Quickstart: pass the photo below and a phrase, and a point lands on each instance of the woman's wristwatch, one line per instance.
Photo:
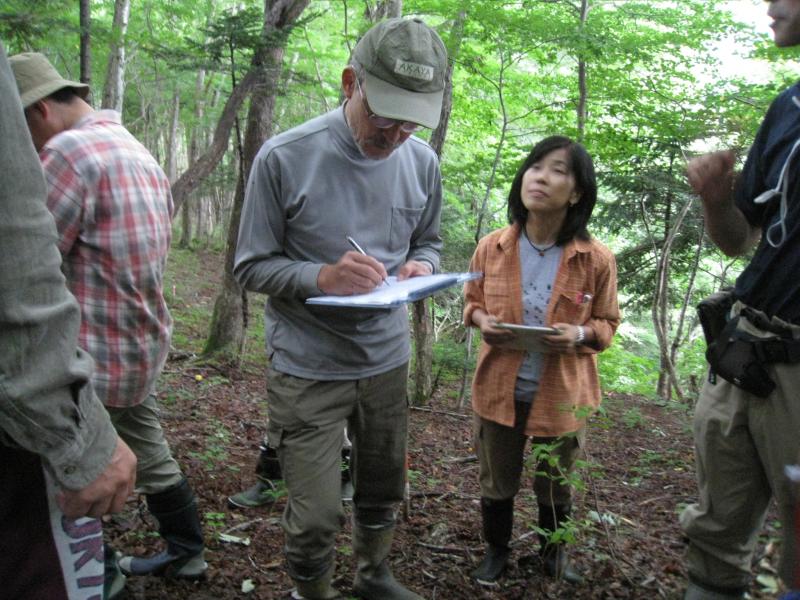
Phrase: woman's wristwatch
(581, 335)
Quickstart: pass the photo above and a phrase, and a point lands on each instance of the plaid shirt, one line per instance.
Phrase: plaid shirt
(584, 293)
(112, 206)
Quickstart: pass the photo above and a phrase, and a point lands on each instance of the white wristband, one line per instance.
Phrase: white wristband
(581, 336)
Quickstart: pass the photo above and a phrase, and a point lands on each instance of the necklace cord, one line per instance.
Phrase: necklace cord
(541, 251)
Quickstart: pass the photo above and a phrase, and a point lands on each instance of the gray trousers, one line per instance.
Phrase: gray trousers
(140, 427)
(306, 419)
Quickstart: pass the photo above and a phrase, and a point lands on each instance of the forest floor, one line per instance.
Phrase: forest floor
(639, 475)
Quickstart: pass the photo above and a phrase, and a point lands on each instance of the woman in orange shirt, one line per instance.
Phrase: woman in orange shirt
(544, 269)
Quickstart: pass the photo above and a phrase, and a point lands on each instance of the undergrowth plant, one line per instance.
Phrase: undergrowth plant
(546, 453)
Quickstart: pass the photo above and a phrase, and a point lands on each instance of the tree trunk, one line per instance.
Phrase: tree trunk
(454, 46)
(86, 49)
(194, 150)
(229, 320)
(422, 315)
(582, 91)
(202, 167)
(499, 86)
(172, 138)
(668, 378)
(114, 88)
(422, 324)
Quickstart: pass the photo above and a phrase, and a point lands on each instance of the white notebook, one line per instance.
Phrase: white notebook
(396, 293)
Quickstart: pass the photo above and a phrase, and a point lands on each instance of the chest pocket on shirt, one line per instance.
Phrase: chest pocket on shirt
(574, 307)
(404, 221)
(496, 297)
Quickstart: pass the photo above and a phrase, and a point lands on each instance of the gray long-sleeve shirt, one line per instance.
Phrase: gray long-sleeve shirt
(309, 188)
(47, 404)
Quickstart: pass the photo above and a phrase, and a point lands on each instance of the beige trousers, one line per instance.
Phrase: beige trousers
(140, 427)
(306, 420)
(501, 456)
(742, 444)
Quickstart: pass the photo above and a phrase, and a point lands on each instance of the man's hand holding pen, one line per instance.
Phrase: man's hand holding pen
(354, 273)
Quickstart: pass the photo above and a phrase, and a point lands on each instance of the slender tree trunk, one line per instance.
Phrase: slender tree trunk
(498, 151)
(422, 315)
(422, 325)
(205, 164)
(668, 378)
(194, 150)
(582, 89)
(229, 320)
(186, 226)
(678, 339)
(86, 40)
(114, 88)
(172, 138)
(145, 136)
(454, 47)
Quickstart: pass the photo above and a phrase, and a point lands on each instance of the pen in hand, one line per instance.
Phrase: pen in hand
(360, 250)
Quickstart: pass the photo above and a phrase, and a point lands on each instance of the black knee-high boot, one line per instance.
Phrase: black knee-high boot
(554, 555)
(175, 510)
(498, 519)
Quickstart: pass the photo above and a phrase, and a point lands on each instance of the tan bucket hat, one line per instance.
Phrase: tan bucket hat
(37, 78)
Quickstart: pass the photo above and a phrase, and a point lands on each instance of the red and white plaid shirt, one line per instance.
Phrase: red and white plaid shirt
(112, 206)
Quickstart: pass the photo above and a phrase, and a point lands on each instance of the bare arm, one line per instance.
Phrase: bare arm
(711, 177)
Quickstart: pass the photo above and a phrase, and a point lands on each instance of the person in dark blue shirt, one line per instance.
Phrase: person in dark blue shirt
(747, 420)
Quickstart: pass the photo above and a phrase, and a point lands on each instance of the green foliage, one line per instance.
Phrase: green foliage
(653, 95)
(624, 368)
(233, 31)
(30, 25)
(692, 365)
(545, 454)
(633, 418)
(448, 359)
(215, 446)
(652, 461)
(215, 521)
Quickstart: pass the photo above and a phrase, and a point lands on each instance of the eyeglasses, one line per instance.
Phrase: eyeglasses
(385, 122)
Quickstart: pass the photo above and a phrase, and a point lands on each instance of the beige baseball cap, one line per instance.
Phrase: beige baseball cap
(37, 78)
(405, 63)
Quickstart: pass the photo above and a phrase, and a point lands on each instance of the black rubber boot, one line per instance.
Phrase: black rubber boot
(319, 588)
(347, 483)
(267, 488)
(268, 467)
(554, 555)
(113, 579)
(374, 579)
(498, 519)
(175, 510)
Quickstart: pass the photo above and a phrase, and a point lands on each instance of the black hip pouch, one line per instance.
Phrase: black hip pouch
(713, 313)
(734, 356)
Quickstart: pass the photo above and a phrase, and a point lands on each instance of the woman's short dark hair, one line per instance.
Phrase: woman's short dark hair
(582, 167)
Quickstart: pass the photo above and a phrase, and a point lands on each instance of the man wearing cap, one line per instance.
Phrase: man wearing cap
(112, 207)
(60, 458)
(356, 171)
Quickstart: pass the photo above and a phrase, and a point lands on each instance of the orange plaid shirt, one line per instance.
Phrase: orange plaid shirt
(585, 293)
